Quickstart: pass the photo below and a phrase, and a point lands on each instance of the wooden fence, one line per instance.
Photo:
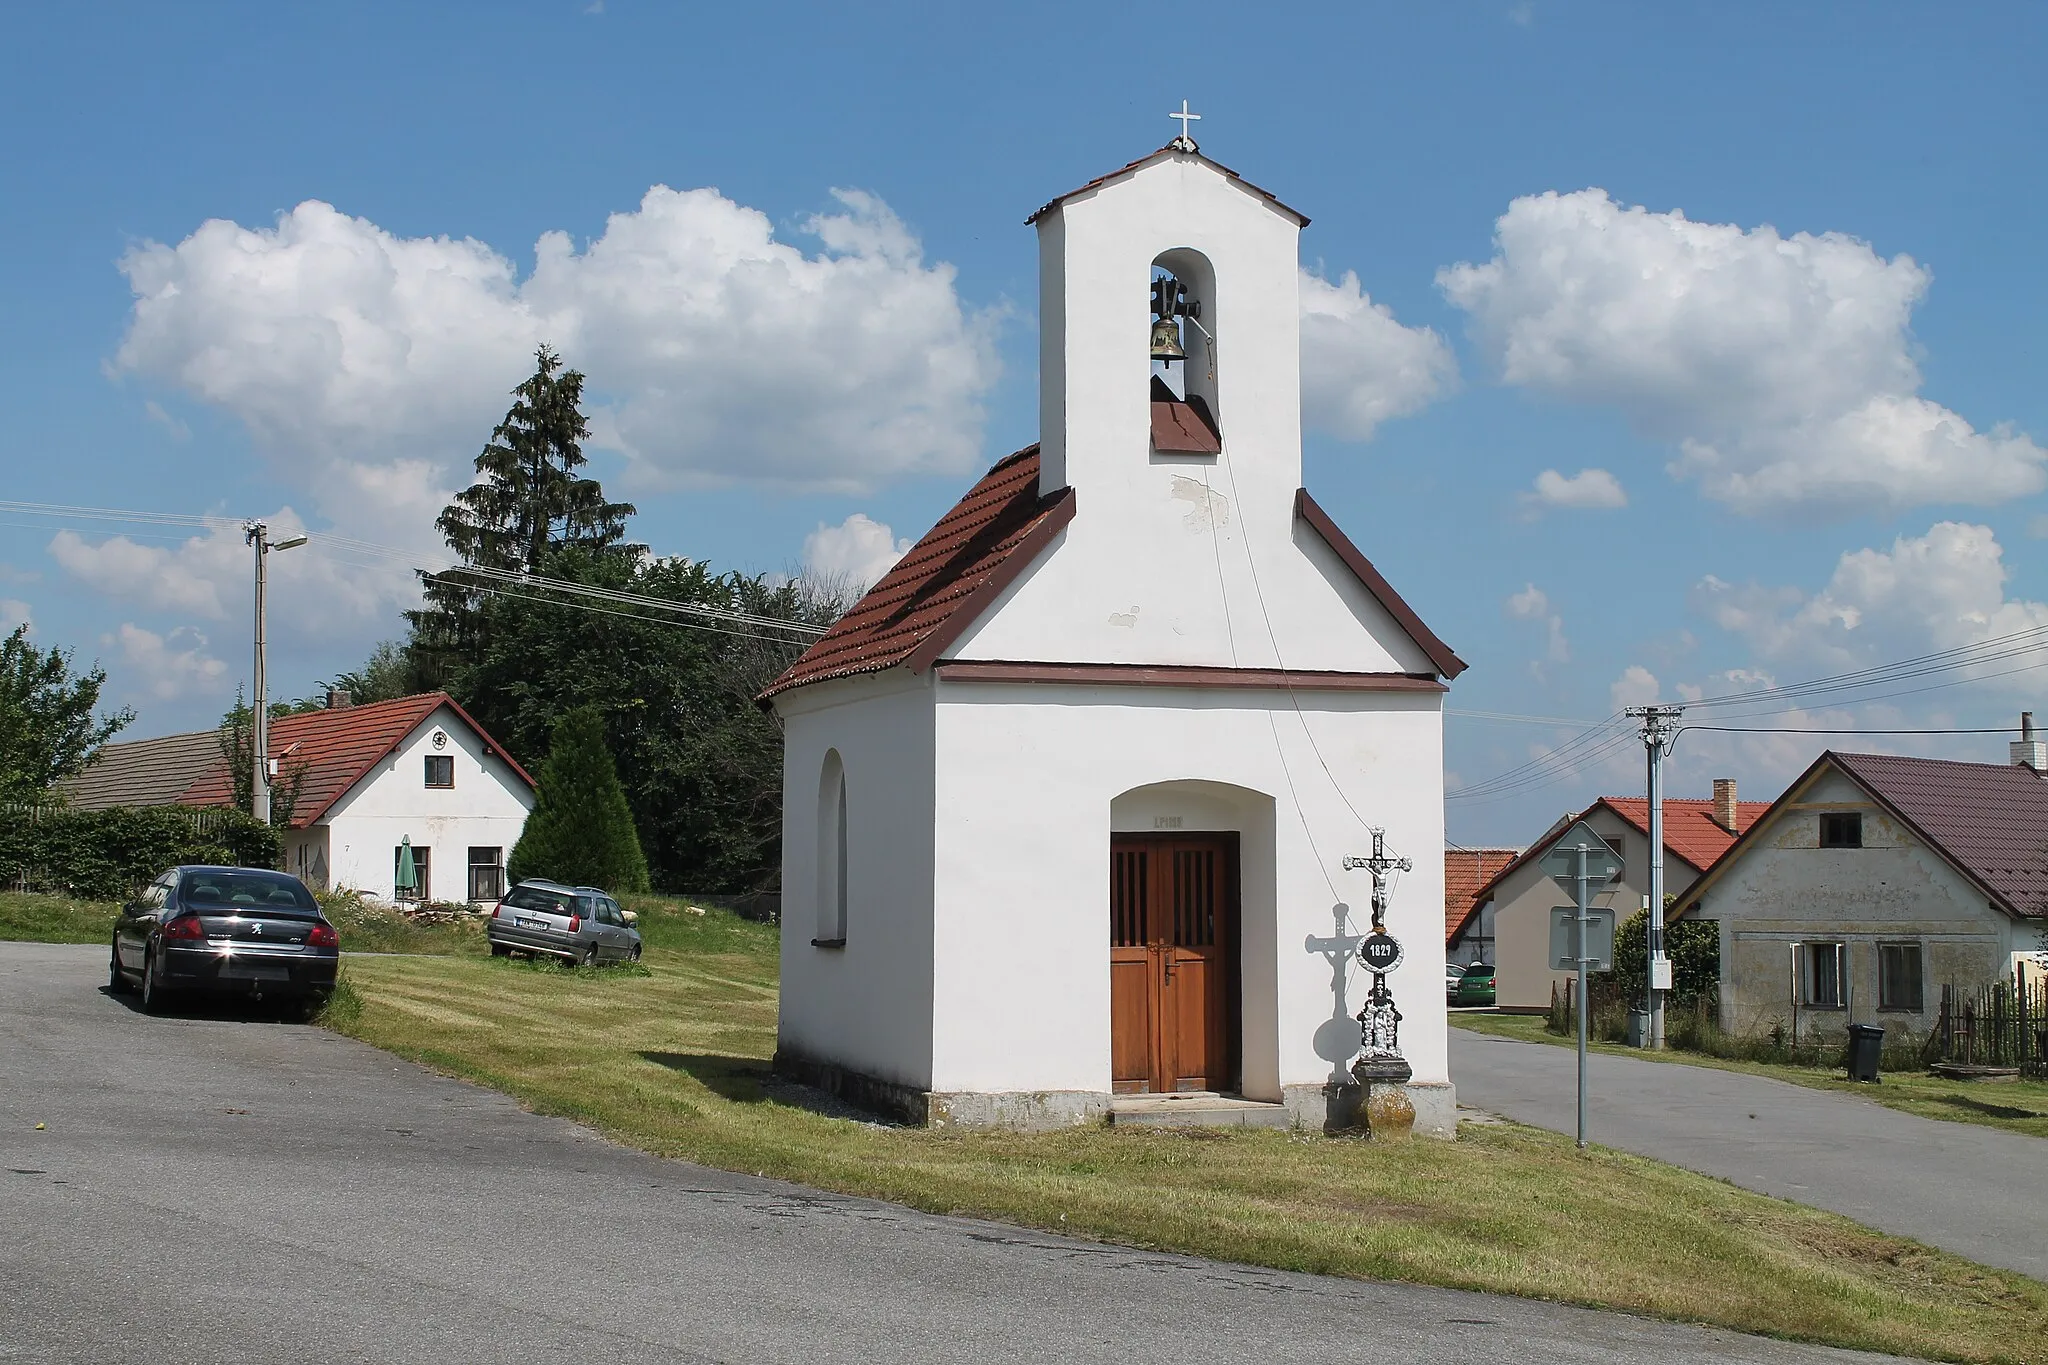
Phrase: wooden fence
(2004, 1024)
(203, 819)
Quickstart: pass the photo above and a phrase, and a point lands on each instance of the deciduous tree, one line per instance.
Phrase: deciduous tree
(49, 726)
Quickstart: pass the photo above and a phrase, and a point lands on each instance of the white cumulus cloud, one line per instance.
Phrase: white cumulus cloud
(166, 666)
(1533, 604)
(1359, 366)
(1637, 686)
(1589, 489)
(13, 613)
(1781, 367)
(1939, 591)
(315, 590)
(856, 552)
(716, 353)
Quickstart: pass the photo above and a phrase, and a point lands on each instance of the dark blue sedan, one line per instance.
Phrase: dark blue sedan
(225, 930)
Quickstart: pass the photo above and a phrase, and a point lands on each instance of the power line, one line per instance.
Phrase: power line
(1844, 730)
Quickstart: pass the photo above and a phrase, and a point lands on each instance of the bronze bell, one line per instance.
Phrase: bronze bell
(1166, 341)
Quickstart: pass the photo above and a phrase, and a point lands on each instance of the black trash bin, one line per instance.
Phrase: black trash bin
(1866, 1045)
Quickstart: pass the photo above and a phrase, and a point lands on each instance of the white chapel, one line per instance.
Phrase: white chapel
(1068, 795)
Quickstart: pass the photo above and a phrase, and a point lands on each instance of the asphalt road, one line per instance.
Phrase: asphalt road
(1972, 1190)
(222, 1188)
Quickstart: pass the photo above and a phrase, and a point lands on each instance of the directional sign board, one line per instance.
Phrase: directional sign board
(1562, 862)
(1564, 939)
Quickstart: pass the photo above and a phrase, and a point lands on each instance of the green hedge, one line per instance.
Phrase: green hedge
(107, 854)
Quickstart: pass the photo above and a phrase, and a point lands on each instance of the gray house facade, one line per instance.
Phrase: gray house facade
(1873, 881)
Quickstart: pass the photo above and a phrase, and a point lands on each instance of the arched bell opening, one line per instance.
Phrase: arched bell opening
(1182, 344)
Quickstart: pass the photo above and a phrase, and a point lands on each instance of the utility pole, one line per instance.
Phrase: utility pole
(258, 535)
(1660, 724)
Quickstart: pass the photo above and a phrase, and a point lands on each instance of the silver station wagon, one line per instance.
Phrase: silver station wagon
(575, 923)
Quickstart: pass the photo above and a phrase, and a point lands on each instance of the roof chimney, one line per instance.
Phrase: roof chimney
(2027, 751)
(338, 699)
(1724, 804)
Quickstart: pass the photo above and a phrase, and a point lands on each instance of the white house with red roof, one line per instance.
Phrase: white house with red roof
(1069, 794)
(362, 782)
(1513, 907)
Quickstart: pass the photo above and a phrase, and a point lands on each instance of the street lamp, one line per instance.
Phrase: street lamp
(258, 534)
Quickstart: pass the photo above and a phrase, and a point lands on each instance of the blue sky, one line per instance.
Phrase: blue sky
(1826, 455)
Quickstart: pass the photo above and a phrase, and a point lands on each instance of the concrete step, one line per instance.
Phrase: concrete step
(1197, 1109)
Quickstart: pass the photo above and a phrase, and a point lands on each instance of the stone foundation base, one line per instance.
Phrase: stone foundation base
(1029, 1111)
(1339, 1107)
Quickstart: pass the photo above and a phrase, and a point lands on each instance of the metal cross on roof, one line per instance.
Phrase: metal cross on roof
(1185, 119)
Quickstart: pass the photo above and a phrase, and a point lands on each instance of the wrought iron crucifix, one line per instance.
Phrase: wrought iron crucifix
(1379, 864)
(1379, 1023)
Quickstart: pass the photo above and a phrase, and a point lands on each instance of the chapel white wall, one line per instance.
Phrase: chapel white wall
(1027, 786)
(487, 808)
(866, 1006)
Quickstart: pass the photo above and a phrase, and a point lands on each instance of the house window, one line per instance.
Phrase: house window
(1841, 829)
(418, 892)
(1619, 848)
(1899, 974)
(440, 770)
(1825, 967)
(486, 873)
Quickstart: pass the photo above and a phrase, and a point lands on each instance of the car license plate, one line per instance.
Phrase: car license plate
(266, 972)
(534, 924)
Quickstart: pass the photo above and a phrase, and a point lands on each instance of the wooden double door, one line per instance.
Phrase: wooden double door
(1173, 962)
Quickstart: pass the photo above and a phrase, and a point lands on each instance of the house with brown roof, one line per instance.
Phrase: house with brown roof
(1520, 896)
(1070, 795)
(1873, 881)
(360, 782)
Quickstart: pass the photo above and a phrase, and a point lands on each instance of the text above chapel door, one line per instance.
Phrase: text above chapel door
(1173, 962)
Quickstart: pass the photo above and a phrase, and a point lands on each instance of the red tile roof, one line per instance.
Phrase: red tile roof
(1465, 871)
(336, 749)
(935, 592)
(1168, 150)
(1690, 831)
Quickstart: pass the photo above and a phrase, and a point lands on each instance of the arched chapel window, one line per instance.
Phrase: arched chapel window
(831, 853)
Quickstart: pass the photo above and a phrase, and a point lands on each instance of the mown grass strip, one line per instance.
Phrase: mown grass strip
(674, 1060)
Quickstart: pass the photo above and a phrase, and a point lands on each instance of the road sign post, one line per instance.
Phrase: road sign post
(1577, 861)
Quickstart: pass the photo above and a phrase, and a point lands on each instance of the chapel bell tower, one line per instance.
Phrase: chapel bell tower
(1170, 332)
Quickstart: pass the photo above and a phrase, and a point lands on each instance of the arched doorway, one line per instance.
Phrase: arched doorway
(1173, 961)
(1190, 867)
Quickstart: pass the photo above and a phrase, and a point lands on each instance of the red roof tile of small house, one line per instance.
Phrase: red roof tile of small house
(1690, 830)
(934, 593)
(336, 749)
(1466, 870)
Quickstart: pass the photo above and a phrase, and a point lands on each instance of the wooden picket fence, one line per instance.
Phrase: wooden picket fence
(2004, 1024)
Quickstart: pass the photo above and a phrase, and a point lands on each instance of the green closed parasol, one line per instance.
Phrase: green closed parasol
(407, 877)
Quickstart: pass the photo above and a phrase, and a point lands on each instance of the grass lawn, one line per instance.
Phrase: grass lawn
(2016, 1106)
(55, 919)
(671, 1056)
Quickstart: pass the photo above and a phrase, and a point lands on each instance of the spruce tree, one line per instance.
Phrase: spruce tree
(528, 502)
(581, 829)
